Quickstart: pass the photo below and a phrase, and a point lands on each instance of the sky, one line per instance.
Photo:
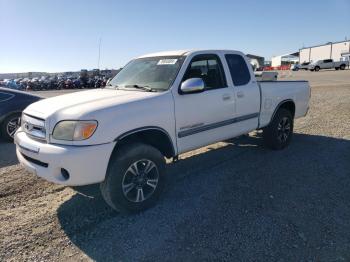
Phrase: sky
(63, 35)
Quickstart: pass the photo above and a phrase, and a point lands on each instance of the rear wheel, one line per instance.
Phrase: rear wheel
(342, 67)
(135, 178)
(10, 125)
(279, 133)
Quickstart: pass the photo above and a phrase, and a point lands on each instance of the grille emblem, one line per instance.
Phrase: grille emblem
(28, 127)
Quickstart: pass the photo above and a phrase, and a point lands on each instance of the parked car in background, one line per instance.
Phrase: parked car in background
(12, 103)
(304, 66)
(12, 84)
(3, 82)
(55, 82)
(159, 106)
(328, 64)
(52, 83)
(24, 83)
(295, 67)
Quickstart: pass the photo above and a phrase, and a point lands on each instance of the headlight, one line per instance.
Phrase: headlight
(74, 130)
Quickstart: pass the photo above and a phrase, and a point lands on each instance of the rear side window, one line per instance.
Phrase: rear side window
(5, 96)
(327, 61)
(239, 70)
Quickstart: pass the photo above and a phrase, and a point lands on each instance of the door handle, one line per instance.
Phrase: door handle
(240, 94)
(226, 97)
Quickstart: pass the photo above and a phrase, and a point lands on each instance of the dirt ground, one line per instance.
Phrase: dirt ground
(230, 201)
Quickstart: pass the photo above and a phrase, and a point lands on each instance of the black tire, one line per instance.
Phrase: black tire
(274, 136)
(342, 67)
(120, 170)
(7, 128)
(337, 68)
(317, 68)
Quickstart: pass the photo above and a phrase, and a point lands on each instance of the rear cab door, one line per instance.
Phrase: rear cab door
(247, 92)
(327, 63)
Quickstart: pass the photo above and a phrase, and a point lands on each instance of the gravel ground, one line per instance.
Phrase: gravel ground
(233, 201)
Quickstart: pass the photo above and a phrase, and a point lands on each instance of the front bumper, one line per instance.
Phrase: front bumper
(84, 164)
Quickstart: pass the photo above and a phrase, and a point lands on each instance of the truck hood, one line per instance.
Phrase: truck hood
(84, 101)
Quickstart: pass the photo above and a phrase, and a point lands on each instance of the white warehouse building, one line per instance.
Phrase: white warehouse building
(286, 59)
(332, 50)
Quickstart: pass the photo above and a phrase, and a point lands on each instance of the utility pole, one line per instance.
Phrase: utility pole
(99, 53)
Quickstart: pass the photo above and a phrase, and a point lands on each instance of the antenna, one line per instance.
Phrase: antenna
(99, 53)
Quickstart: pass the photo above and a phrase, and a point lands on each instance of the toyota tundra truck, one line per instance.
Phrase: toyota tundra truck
(158, 106)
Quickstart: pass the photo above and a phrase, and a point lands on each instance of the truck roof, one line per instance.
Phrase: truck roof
(180, 52)
(167, 53)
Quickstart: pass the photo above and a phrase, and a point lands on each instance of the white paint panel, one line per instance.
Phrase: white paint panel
(340, 48)
(320, 52)
(276, 61)
(304, 55)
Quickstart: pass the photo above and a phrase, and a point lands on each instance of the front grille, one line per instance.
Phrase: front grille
(34, 127)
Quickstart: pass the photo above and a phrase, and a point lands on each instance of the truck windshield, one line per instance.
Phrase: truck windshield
(149, 74)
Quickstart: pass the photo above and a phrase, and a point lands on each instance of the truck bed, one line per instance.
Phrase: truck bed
(276, 92)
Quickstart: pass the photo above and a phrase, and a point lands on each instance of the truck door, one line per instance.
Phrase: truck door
(203, 118)
(327, 63)
(247, 93)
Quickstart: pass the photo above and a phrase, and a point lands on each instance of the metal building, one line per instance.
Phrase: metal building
(332, 50)
(286, 59)
(256, 61)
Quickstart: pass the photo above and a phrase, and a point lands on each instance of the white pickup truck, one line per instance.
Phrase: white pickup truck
(159, 106)
(328, 64)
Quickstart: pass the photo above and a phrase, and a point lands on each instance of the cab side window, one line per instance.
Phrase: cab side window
(238, 68)
(209, 68)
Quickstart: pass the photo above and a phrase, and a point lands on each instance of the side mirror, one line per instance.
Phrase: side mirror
(192, 85)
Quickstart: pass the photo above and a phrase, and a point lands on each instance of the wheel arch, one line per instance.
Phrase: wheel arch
(286, 104)
(151, 135)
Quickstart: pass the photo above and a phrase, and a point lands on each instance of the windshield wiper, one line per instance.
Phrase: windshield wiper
(145, 88)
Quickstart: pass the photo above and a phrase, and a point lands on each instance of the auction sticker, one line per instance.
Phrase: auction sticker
(167, 62)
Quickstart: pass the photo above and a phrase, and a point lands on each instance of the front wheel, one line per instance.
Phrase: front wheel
(317, 68)
(342, 67)
(134, 179)
(278, 134)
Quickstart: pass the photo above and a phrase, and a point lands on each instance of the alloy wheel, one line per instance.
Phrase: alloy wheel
(140, 180)
(283, 129)
(13, 125)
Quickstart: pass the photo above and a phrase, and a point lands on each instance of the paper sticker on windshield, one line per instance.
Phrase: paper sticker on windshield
(167, 62)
